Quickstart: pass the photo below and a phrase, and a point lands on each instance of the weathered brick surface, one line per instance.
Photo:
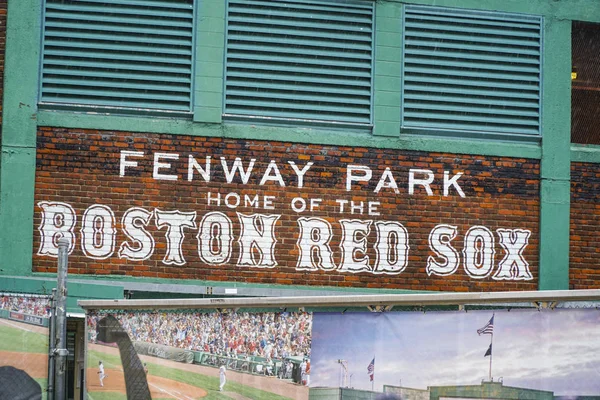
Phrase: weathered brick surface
(81, 168)
(584, 267)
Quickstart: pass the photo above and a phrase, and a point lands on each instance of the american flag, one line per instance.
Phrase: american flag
(488, 329)
(371, 369)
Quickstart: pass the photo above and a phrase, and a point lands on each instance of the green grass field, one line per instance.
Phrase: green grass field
(20, 341)
(14, 339)
(208, 383)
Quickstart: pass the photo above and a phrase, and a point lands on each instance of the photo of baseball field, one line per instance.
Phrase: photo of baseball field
(23, 346)
(193, 355)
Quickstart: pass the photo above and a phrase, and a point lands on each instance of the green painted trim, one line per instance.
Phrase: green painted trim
(16, 206)
(585, 153)
(17, 171)
(22, 59)
(161, 283)
(555, 194)
(554, 235)
(209, 63)
(290, 134)
(145, 124)
(76, 291)
(386, 70)
(44, 285)
(578, 10)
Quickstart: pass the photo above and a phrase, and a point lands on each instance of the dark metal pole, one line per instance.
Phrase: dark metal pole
(51, 346)
(61, 319)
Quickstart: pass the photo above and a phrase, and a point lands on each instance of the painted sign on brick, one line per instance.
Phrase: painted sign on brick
(211, 208)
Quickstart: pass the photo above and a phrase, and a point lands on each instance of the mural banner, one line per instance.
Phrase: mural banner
(242, 355)
(492, 354)
(499, 353)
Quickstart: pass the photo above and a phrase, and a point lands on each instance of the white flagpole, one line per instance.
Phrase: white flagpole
(491, 354)
(491, 348)
(373, 375)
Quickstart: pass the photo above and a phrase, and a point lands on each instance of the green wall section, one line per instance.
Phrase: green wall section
(17, 172)
(340, 393)
(489, 390)
(210, 45)
(16, 203)
(21, 117)
(293, 134)
(388, 62)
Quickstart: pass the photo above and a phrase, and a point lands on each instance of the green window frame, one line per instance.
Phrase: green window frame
(467, 72)
(300, 62)
(123, 56)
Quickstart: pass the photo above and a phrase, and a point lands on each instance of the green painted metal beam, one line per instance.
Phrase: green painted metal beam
(17, 172)
(386, 81)
(76, 290)
(585, 153)
(579, 10)
(210, 61)
(555, 195)
(292, 134)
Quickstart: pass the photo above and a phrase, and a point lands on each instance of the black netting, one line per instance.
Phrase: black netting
(110, 331)
(16, 384)
(585, 93)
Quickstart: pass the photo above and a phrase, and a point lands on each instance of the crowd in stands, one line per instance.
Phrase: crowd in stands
(26, 304)
(231, 334)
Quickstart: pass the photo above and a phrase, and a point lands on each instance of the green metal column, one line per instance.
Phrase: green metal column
(555, 193)
(209, 68)
(388, 64)
(17, 172)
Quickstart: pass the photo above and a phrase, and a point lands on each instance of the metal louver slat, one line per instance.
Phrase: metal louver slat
(127, 54)
(471, 71)
(413, 43)
(305, 60)
(500, 101)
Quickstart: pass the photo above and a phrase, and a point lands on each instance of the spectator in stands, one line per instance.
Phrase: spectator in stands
(233, 335)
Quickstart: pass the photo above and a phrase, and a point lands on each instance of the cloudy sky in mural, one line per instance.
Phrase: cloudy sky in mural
(555, 350)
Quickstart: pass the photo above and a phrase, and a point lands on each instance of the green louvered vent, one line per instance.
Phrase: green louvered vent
(300, 59)
(471, 71)
(134, 54)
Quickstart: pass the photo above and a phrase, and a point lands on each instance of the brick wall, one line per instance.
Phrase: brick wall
(584, 269)
(80, 169)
